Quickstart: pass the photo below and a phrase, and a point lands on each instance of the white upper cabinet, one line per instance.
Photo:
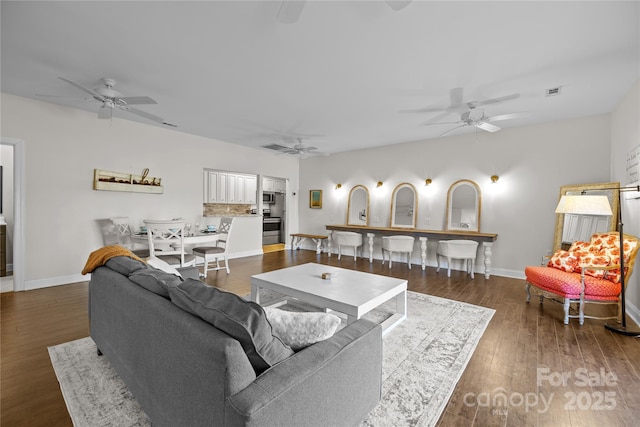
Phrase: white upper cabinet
(227, 187)
(274, 184)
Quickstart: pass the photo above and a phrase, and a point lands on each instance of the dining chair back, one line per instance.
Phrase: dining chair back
(220, 250)
(123, 233)
(166, 241)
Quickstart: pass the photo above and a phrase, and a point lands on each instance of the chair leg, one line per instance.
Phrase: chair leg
(339, 252)
(438, 263)
(448, 267)
(355, 253)
(390, 258)
(566, 310)
(409, 260)
(226, 263)
(206, 266)
(471, 262)
(527, 288)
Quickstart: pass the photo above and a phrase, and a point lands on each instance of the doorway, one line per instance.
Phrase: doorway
(15, 282)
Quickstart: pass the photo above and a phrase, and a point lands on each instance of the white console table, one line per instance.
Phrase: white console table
(485, 239)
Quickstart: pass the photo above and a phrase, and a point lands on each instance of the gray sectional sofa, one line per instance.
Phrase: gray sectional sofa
(185, 372)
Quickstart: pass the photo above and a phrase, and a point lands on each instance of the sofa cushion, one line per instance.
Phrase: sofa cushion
(157, 281)
(301, 329)
(160, 264)
(243, 320)
(125, 265)
(569, 284)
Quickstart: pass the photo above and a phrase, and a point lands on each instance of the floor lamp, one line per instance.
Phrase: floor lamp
(599, 205)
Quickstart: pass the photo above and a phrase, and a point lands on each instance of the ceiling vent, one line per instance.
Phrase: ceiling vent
(275, 147)
(553, 91)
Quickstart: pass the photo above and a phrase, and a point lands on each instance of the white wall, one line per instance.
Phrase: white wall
(625, 135)
(532, 162)
(64, 145)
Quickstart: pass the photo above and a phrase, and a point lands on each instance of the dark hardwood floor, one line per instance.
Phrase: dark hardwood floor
(529, 369)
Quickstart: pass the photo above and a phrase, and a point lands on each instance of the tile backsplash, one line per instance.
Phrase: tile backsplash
(221, 209)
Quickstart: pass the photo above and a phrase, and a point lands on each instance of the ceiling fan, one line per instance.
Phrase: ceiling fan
(302, 150)
(290, 10)
(476, 118)
(110, 99)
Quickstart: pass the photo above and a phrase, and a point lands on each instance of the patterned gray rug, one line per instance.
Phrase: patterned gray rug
(424, 358)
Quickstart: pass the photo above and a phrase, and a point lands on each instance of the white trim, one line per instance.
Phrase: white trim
(55, 281)
(19, 257)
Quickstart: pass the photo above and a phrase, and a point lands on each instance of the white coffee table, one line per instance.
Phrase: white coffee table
(351, 292)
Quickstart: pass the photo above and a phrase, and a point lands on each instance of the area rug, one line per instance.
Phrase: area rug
(424, 357)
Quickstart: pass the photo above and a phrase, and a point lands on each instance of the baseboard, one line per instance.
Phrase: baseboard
(633, 313)
(30, 285)
(75, 278)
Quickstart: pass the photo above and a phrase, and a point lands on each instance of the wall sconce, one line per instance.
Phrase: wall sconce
(379, 184)
(338, 186)
(494, 179)
(428, 181)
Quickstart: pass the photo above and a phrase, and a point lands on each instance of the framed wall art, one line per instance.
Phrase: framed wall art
(315, 199)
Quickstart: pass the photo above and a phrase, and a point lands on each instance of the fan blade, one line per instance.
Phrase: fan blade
(105, 112)
(451, 130)
(441, 123)
(488, 127)
(144, 114)
(398, 4)
(474, 104)
(138, 100)
(89, 91)
(506, 117)
(290, 11)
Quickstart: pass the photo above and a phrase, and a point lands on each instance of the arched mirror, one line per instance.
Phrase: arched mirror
(573, 227)
(463, 206)
(358, 208)
(404, 206)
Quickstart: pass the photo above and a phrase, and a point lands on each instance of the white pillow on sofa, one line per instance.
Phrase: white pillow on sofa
(162, 265)
(301, 329)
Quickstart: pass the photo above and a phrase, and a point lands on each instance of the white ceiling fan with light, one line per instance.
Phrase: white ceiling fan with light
(298, 149)
(109, 99)
(469, 114)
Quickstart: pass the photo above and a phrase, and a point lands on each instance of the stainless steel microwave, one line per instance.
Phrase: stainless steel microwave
(268, 197)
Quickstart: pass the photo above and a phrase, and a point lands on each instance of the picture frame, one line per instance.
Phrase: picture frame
(315, 199)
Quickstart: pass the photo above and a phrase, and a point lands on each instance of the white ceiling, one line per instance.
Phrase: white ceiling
(340, 76)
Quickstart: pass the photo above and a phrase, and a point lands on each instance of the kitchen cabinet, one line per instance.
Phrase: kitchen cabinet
(228, 187)
(273, 184)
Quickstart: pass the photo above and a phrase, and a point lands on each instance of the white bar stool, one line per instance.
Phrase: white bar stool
(348, 239)
(400, 244)
(457, 249)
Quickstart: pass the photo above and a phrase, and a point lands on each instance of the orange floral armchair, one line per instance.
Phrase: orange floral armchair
(589, 272)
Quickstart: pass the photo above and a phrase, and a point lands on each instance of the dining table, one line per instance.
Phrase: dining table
(190, 239)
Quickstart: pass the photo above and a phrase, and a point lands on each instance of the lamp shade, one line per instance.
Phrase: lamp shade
(584, 205)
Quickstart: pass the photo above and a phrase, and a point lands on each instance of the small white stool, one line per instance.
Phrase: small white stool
(457, 249)
(349, 239)
(400, 244)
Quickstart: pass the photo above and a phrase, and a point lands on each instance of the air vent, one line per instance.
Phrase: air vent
(553, 91)
(275, 147)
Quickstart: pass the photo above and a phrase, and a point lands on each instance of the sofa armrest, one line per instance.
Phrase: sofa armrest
(189, 272)
(337, 381)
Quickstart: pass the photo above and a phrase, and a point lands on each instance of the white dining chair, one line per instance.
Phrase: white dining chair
(220, 250)
(166, 242)
(123, 232)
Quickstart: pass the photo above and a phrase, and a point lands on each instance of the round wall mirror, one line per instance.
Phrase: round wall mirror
(463, 206)
(358, 208)
(404, 206)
